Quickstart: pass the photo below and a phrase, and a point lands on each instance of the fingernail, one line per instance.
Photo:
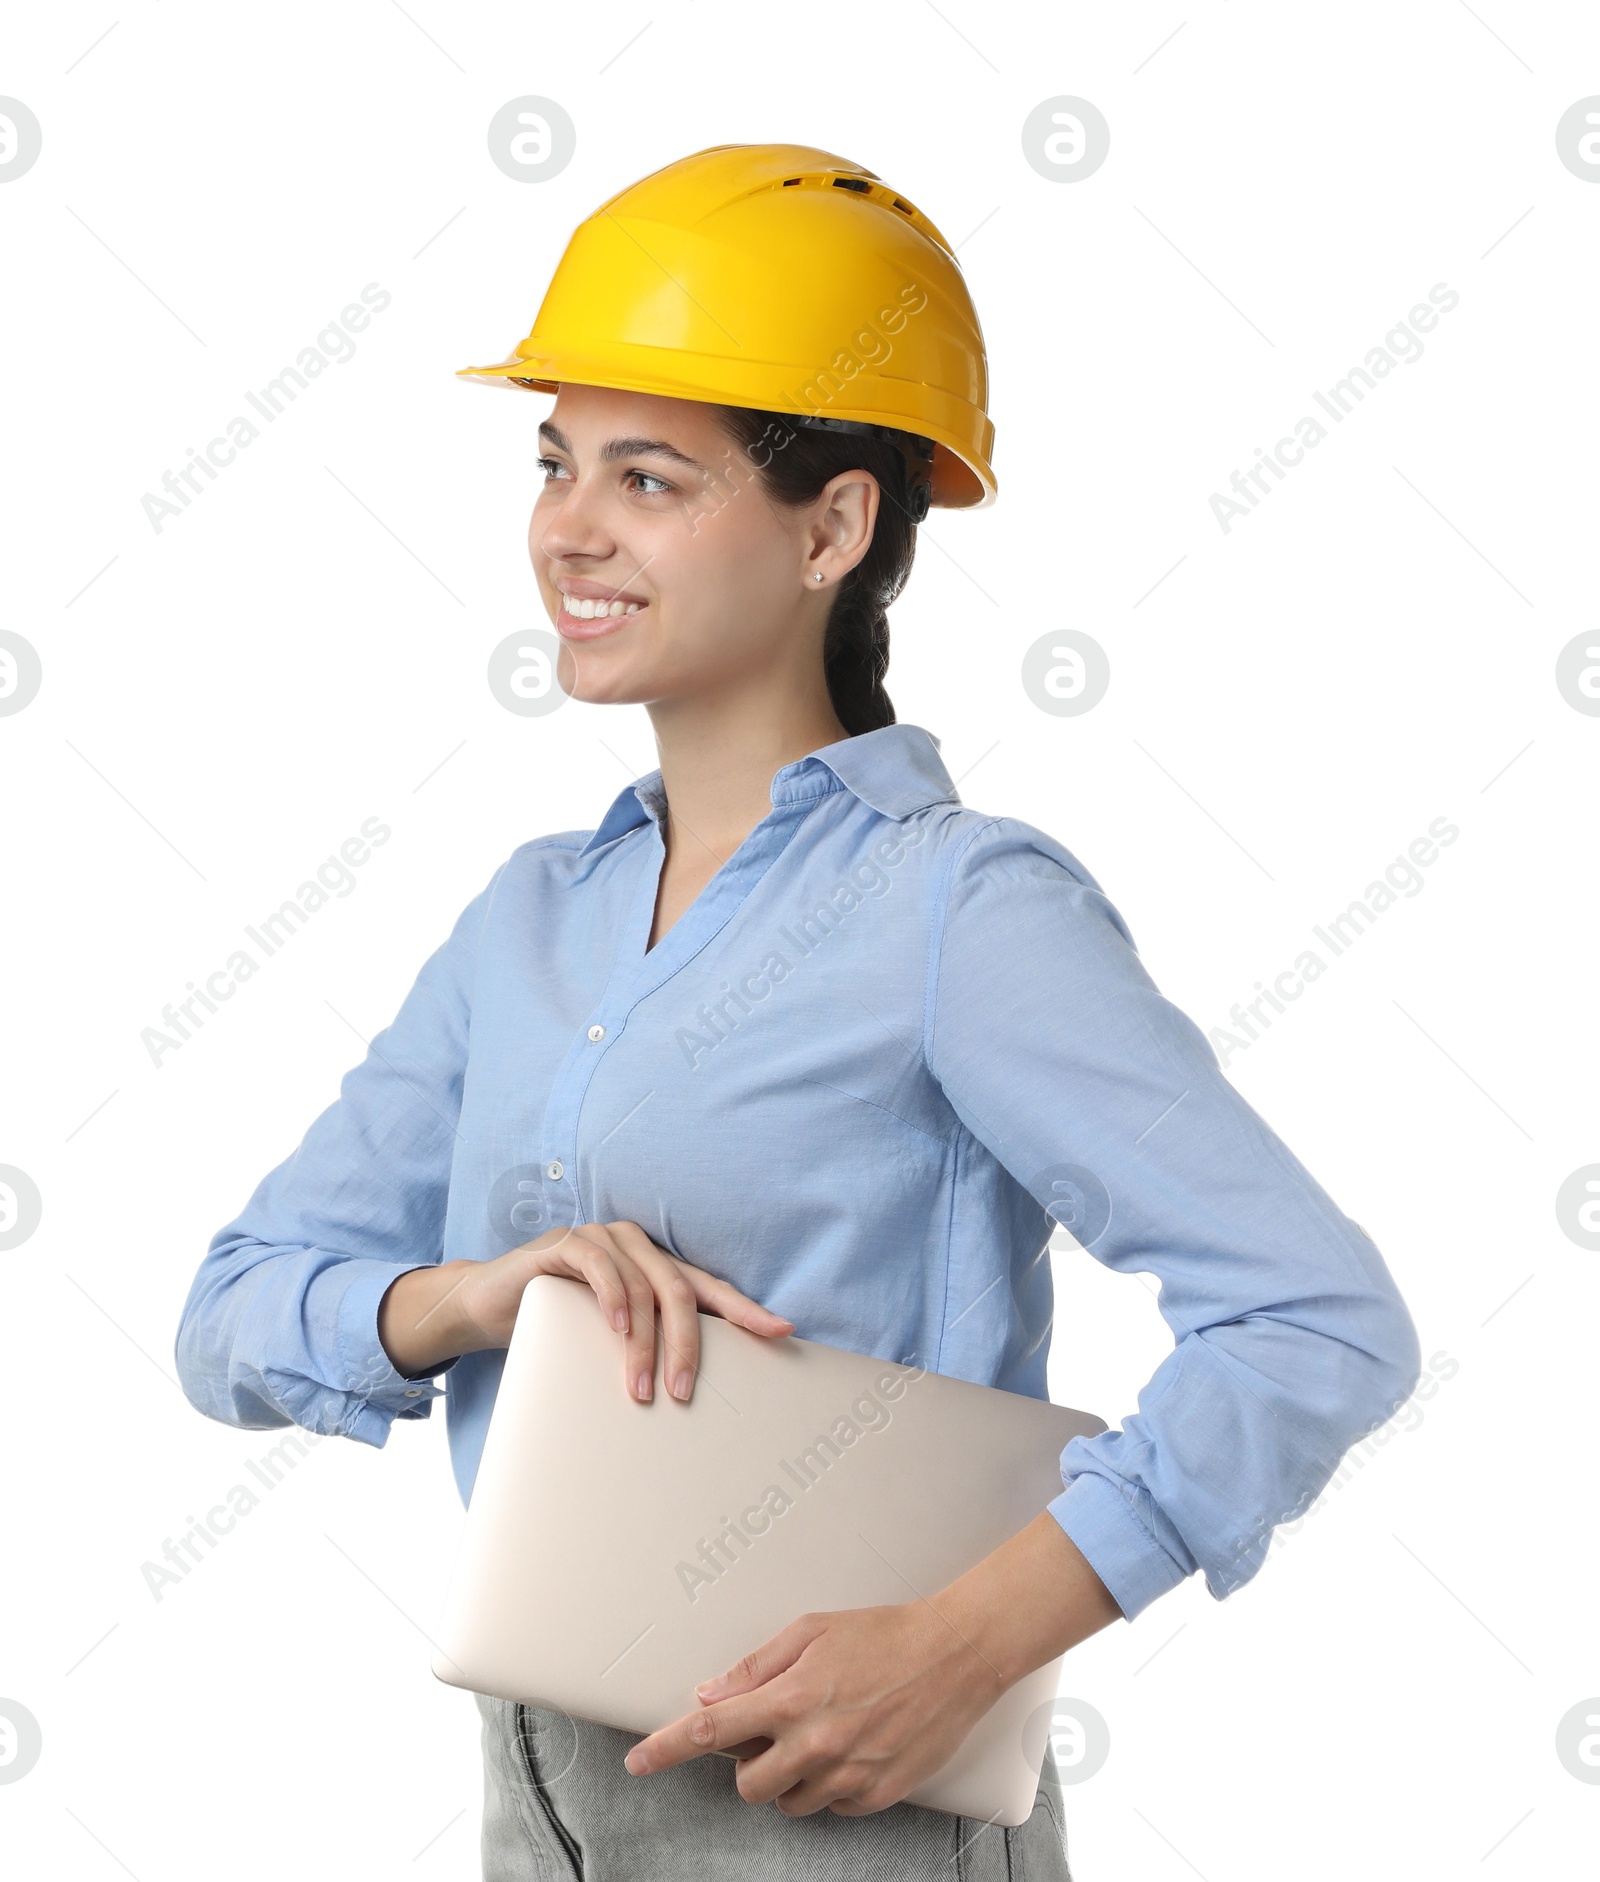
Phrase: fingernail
(680, 1386)
(645, 1382)
(634, 1763)
(619, 1319)
(705, 1686)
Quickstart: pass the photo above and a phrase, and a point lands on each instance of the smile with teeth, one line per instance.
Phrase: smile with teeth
(592, 610)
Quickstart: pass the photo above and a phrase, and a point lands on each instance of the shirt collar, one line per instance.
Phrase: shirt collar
(638, 803)
(896, 771)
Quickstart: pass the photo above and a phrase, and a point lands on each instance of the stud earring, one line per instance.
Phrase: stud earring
(819, 575)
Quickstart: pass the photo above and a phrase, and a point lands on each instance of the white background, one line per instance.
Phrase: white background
(1372, 648)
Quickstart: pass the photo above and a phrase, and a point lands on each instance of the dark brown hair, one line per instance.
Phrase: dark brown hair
(792, 462)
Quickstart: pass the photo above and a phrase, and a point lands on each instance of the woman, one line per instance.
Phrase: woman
(794, 1038)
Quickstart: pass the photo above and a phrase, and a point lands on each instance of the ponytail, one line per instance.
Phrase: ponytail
(855, 657)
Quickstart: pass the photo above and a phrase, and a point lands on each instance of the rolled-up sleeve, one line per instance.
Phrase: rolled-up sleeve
(1108, 1104)
(281, 1323)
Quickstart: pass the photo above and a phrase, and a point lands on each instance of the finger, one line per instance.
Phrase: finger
(680, 1328)
(797, 1777)
(808, 1797)
(771, 1658)
(712, 1728)
(724, 1300)
(573, 1255)
(639, 1342)
(605, 1258)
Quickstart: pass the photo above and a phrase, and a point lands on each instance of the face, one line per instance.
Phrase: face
(665, 568)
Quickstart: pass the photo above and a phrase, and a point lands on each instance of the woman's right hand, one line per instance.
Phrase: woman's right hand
(430, 1315)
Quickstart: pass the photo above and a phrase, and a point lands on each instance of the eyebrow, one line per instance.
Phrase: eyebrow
(616, 448)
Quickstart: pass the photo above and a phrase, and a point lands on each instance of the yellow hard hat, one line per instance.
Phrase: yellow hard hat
(778, 278)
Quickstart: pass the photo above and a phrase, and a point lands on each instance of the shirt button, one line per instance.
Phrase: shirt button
(413, 1391)
(554, 1171)
(597, 1033)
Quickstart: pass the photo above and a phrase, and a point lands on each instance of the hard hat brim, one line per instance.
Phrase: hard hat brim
(961, 477)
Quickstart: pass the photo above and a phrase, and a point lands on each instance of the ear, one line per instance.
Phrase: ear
(841, 529)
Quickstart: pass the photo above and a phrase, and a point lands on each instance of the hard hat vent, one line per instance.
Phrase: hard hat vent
(858, 186)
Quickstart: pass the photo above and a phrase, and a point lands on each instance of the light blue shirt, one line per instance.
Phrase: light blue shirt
(890, 1039)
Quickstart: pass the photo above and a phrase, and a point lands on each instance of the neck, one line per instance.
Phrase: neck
(718, 757)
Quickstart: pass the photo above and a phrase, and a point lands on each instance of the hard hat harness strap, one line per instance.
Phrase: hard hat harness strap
(911, 446)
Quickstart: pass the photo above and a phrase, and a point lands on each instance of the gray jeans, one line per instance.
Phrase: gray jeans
(559, 1807)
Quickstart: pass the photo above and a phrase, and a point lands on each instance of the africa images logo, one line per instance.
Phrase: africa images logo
(1402, 345)
(867, 1412)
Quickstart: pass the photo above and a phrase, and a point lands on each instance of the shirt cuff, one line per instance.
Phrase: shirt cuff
(363, 1370)
(1127, 1558)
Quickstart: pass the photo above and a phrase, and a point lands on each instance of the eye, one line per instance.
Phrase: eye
(650, 478)
(552, 467)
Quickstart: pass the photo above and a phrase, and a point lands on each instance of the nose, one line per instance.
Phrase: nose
(574, 527)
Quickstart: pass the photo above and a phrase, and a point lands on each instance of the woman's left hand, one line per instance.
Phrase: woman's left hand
(860, 1706)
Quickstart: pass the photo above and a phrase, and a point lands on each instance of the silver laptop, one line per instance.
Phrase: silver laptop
(615, 1554)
